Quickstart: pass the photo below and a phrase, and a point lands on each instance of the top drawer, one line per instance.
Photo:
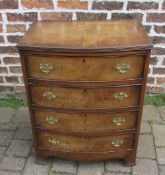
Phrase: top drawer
(85, 68)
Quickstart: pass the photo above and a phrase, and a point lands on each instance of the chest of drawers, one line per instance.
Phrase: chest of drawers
(85, 84)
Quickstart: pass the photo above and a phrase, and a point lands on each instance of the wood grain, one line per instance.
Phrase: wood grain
(68, 97)
(86, 35)
(84, 144)
(85, 68)
(104, 122)
(84, 82)
(66, 122)
(84, 122)
(82, 156)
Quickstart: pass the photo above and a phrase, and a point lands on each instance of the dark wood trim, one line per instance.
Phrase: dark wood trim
(85, 110)
(82, 111)
(88, 133)
(90, 50)
(86, 87)
(28, 95)
(89, 152)
(132, 157)
(84, 54)
(85, 83)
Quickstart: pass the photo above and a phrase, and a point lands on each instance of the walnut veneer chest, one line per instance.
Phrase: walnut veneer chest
(85, 84)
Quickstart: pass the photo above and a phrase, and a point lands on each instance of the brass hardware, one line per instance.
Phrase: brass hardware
(120, 96)
(123, 68)
(119, 121)
(53, 141)
(46, 68)
(117, 142)
(49, 95)
(51, 120)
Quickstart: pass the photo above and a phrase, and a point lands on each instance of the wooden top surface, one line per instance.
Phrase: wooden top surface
(86, 35)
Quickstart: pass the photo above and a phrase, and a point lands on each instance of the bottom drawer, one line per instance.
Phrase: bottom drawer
(85, 144)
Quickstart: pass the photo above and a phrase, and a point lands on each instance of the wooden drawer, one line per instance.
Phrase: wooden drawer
(85, 68)
(91, 144)
(59, 121)
(68, 97)
(85, 122)
(110, 122)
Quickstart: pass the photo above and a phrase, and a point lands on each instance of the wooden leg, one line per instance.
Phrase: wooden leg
(40, 158)
(130, 160)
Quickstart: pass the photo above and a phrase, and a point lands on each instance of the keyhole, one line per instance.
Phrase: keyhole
(85, 139)
(85, 90)
(84, 61)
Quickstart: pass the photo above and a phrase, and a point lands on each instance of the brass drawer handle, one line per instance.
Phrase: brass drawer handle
(119, 121)
(53, 141)
(120, 96)
(123, 68)
(49, 95)
(51, 120)
(117, 142)
(46, 68)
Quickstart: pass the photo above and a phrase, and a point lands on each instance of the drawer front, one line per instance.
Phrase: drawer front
(60, 97)
(59, 121)
(85, 68)
(91, 144)
(108, 122)
(85, 122)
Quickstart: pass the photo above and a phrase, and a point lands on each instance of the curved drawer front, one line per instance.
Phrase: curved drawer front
(91, 144)
(85, 68)
(85, 122)
(109, 122)
(59, 121)
(67, 97)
